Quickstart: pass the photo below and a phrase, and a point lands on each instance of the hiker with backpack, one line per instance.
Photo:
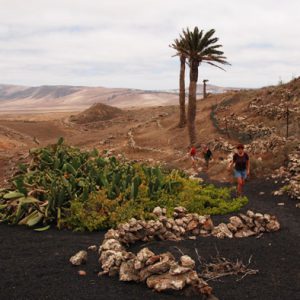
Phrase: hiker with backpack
(207, 155)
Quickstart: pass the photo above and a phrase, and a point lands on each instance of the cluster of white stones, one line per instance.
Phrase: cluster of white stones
(164, 228)
(271, 111)
(245, 225)
(294, 174)
(272, 143)
(290, 175)
(161, 271)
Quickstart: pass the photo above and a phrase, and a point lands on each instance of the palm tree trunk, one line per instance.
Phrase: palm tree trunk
(182, 117)
(192, 101)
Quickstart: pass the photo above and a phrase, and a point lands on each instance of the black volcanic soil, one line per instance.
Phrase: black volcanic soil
(35, 265)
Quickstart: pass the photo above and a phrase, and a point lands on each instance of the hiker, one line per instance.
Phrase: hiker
(241, 164)
(207, 155)
(193, 156)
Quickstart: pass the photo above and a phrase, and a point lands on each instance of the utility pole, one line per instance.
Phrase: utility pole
(226, 127)
(204, 88)
(287, 114)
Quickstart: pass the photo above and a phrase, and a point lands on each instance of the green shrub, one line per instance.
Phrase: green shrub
(83, 191)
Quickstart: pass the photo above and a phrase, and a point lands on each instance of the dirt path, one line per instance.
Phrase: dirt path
(35, 265)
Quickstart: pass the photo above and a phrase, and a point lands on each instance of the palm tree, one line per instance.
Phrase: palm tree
(199, 47)
(178, 45)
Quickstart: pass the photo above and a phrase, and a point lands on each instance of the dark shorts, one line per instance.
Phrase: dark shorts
(240, 174)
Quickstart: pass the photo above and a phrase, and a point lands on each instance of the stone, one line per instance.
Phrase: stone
(166, 282)
(179, 222)
(152, 260)
(79, 258)
(170, 236)
(112, 234)
(244, 233)
(176, 269)
(231, 227)
(181, 211)
(258, 216)
(204, 233)
(202, 219)
(236, 222)
(157, 211)
(144, 255)
(82, 273)
(247, 220)
(92, 248)
(163, 265)
(127, 271)
(192, 225)
(221, 231)
(187, 262)
(208, 224)
(196, 231)
(111, 244)
(250, 213)
(138, 265)
(273, 225)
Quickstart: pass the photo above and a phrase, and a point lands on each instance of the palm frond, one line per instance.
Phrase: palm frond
(210, 63)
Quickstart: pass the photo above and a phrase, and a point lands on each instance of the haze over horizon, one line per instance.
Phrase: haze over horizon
(125, 43)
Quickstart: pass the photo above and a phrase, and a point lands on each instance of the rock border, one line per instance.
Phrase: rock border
(162, 272)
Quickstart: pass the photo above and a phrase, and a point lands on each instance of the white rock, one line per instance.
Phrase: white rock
(79, 258)
(187, 262)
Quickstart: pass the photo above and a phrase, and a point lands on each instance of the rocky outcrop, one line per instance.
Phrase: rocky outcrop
(272, 143)
(294, 174)
(290, 175)
(271, 111)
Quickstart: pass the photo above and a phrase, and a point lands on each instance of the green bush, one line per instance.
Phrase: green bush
(84, 191)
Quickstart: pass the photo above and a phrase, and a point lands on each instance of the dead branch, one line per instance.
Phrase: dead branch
(221, 267)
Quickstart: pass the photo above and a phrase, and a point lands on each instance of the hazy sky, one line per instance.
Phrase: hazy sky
(124, 43)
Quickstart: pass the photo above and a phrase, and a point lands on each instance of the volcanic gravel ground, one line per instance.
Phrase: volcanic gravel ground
(34, 265)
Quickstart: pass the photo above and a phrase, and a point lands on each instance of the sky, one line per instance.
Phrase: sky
(125, 43)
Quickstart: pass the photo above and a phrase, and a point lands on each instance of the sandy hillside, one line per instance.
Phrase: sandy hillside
(255, 117)
(74, 98)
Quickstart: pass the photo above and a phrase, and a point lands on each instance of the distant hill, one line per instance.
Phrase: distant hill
(22, 98)
(210, 88)
(97, 112)
(76, 98)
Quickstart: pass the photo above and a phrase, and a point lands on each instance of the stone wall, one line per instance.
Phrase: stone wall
(161, 271)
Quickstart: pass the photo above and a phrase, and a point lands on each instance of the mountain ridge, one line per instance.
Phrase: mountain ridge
(68, 97)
